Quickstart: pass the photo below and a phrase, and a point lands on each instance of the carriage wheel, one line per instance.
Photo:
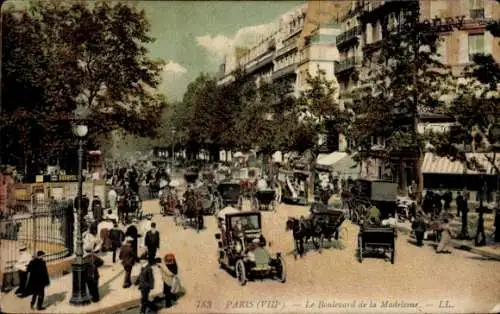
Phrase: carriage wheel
(321, 239)
(240, 272)
(360, 249)
(256, 204)
(274, 205)
(343, 233)
(281, 270)
(240, 203)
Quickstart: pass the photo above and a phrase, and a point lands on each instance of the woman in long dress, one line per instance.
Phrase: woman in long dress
(168, 270)
(446, 234)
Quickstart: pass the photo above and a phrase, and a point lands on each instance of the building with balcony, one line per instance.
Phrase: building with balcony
(461, 24)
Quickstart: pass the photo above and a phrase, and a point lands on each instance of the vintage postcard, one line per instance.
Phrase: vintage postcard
(250, 156)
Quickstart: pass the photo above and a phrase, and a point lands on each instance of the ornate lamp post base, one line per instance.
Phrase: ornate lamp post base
(80, 296)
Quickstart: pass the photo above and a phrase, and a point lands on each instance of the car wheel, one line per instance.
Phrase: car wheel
(240, 272)
(281, 270)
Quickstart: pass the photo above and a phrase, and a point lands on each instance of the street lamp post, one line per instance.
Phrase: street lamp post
(79, 295)
(172, 157)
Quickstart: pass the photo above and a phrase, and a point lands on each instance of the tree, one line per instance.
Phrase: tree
(404, 79)
(319, 109)
(62, 55)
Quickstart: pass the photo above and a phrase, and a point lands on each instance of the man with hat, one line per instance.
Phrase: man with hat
(116, 235)
(128, 259)
(419, 226)
(21, 265)
(152, 242)
(38, 279)
(92, 262)
(133, 233)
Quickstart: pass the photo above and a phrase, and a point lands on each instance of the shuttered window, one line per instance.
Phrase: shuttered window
(476, 45)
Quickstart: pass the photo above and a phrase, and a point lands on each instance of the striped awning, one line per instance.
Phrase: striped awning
(436, 164)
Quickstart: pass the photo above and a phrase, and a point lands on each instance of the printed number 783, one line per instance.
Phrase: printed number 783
(203, 304)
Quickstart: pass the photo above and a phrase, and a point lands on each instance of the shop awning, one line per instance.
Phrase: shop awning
(443, 165)
(330, 159)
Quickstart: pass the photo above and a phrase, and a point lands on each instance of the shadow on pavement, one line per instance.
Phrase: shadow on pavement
(483, 258)
(106, 287)
(414, 242)
(56, 298)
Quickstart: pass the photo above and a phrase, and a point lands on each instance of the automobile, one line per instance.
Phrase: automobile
(242, 247)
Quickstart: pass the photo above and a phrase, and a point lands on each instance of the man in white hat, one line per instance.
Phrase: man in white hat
(23, 260)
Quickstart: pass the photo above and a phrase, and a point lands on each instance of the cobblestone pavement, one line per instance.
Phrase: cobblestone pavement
(333, 281)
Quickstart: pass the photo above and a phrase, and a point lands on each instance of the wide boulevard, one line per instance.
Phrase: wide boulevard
(331, 281)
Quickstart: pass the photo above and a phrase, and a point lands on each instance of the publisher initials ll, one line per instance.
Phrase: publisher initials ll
(445, 304)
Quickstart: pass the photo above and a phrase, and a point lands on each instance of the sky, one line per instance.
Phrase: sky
(193, 36)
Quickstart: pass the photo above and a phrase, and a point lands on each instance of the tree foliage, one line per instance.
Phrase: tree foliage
(59, 55)
(404, 79)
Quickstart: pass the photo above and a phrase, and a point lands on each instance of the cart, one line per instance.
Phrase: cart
(229, 194)
(377, 239)
(264, 199)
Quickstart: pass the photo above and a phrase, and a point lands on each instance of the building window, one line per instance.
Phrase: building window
(476, 9)
(476, 45)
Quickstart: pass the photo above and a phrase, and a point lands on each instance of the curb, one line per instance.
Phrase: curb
(463, 246)
(134, 303)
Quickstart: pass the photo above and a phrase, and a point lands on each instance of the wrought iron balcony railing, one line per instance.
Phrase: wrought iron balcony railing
(346, 64)
(348, 35)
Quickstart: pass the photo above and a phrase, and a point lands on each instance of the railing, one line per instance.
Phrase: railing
(348, 35)
(345, 64)
(476, 13)
(40, 226)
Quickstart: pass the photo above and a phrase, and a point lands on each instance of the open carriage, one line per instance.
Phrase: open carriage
(264, 200)
(229, 194)
(248, 180)
(242, 247)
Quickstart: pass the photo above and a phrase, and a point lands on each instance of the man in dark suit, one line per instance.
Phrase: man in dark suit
(38, 279)
(133, 233)
(97, 209)
(152, 242)
(116, 236)
(69, 224)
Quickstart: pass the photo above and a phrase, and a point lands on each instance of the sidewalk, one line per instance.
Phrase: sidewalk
(113, 297)
(491, 250)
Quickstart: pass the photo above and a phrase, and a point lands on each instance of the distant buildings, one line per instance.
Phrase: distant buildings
(336, 35)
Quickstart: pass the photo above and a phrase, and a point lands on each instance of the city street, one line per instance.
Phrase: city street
(334, 280)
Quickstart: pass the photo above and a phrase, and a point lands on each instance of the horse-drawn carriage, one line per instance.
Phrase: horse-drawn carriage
(229, 194)
(264, 199)
(169, 203)
(191, 175)
(376, 239)
(248, 180)
(210, 200)
(368, 193)
(242, 247)
(192, 211)
(129, 206)
(322, 223)
(293, 185)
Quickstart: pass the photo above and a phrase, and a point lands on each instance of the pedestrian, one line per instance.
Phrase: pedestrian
(458, 201)
(92, 263)
(116, 235)
(446, 235)
(52, 209)
(128, 259)
(134, 234)
(112, 197)
(168, 270)
(22, 263)
(146, 284)
(419, 226)
(38, 279)
(97, 209)
(152, 242)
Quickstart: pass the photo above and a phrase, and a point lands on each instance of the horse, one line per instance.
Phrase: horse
(127, 204)
(193, 211)
(302, 232)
